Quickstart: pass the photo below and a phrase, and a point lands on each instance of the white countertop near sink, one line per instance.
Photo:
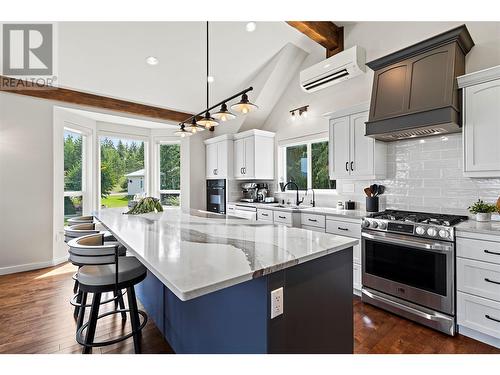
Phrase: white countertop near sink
(197, 252)
(327, 211)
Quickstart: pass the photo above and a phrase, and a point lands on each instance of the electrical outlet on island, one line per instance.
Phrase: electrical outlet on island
(276, 302)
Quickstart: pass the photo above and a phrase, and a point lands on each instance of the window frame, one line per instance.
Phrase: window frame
(123, 136)
(157, 179)
(282, 160)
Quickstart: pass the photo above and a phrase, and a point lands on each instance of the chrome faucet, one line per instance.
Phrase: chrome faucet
(314, 200)
(297, 201)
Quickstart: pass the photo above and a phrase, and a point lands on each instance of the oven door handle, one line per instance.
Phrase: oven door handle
(416, 243)
(434, 316)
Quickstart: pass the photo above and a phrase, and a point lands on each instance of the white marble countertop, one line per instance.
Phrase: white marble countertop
(488, 227)
(196, 253)
(327, 211)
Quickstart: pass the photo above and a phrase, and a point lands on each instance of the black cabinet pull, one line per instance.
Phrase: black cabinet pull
(313, 220)
(346, 166)
(241, 170)
(491, 252)
(340, 228)
(352, 169)
(282, 217)
(491, 281)
(263, 214)
(490, 318)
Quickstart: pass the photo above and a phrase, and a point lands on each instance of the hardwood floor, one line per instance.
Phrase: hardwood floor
(36, 317)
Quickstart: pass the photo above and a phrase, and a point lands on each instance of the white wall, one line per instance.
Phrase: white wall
(379, 39)
(26, 185)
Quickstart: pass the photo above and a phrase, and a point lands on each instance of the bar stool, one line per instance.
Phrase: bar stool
(82, 229)
(81, 256)
(81, 220)
(110, 273)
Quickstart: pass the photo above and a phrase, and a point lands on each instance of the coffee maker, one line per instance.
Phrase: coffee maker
(249, 190)
(262, 190)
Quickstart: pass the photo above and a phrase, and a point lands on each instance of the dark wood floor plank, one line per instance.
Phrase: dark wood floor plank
(36, 317)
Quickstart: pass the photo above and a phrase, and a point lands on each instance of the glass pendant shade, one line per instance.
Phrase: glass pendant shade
(224, 114)
(193, 128)
(244, 106)
(207, 121)
(183, 132)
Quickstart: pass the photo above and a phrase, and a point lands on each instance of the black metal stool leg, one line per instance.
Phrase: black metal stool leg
(78, 300)
(81, 312)
(94, 313)
(75, 286)
(134, 318)
(122, 304)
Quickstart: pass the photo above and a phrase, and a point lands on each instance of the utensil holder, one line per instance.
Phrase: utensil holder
(371, 204)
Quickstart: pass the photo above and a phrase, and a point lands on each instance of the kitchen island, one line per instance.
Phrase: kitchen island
(210, 279)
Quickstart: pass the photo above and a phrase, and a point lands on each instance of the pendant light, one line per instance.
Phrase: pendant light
(208, 121)
(182, 132)
(194, 128)
(244, 106)
(224, 114)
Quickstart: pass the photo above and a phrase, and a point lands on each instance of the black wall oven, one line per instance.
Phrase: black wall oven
(414, 277)
(216, 196)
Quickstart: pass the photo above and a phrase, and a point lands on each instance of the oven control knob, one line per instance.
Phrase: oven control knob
(443, 233)
(420, 230)
(374, 224)
(366, 223)
(382, 225)
(432, 232)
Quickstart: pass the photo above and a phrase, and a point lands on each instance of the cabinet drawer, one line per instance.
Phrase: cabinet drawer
(478, 313)
(316, 229)
(282, 217)
(343, 228)
(487, 251)
(313, 220)
(478, 278)
(356, 276)
(263, 214)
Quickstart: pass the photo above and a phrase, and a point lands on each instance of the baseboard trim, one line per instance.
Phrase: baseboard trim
(479, 336)
(32, 266)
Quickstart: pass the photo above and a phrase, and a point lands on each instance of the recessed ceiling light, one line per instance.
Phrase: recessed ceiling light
(210, 79)
(151, 60)
(251, 26)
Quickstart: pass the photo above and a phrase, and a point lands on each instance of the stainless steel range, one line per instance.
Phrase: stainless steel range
(409, 265)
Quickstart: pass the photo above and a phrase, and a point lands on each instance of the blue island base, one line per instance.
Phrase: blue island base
(317, 318)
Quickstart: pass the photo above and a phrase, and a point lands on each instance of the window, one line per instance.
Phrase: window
(73, 176)
(122, 170)
(170, 173)
(306, 164)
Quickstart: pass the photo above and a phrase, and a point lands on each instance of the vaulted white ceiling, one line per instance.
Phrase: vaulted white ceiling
(108, 58)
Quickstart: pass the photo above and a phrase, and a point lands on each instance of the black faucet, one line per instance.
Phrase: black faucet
(314, 200)
(297, 201)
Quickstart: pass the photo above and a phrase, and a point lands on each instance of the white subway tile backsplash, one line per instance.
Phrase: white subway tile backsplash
(424, 176)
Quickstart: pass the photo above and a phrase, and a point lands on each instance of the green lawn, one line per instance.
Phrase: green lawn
(115, 201)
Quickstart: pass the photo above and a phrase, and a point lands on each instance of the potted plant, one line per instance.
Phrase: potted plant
(482, 210)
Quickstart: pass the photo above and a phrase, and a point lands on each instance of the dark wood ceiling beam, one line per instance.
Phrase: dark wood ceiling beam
(325, 33)
(20, 87)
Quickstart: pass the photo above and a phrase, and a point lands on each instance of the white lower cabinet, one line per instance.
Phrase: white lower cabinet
(264, 215)
(349, 228)
(478, 288)
(283, 217)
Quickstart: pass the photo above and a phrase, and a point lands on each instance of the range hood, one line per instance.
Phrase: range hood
(415, 92)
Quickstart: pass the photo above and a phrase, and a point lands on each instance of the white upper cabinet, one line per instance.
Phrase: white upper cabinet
(481, 122)
(254, 155)
(352, 154)
(219, 157)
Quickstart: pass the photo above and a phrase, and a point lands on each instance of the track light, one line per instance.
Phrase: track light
(244, 106)
(301, 110)
(207, 121)
(224, 114)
